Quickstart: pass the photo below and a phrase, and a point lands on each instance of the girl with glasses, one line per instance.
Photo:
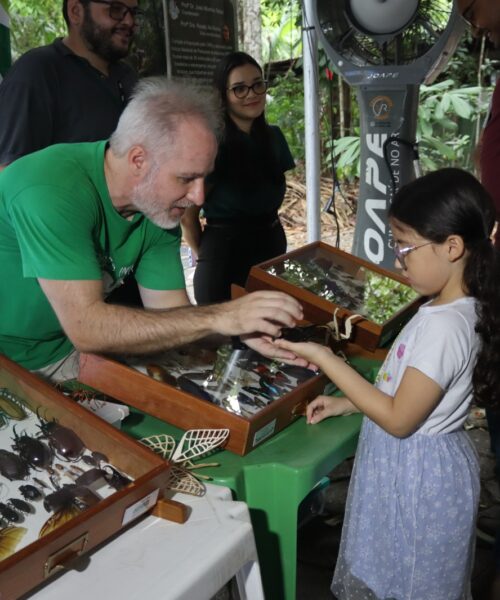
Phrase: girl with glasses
(410, 517)
(245, 190)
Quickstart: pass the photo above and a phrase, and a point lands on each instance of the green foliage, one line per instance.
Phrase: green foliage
(346, 153)
(34, 24)
(447, 120)
(285, 108)
(281, 35)
(446, 129)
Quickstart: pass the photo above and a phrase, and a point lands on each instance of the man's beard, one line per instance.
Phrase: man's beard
(152, 207)
(98, 39)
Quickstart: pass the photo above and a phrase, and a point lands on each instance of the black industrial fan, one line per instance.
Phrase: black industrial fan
(386, 49)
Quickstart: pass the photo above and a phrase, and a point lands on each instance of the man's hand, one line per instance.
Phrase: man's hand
(262, 312)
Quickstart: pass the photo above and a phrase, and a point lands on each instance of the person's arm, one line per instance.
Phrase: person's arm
(94, 326)
(191, 228)
(400, 415)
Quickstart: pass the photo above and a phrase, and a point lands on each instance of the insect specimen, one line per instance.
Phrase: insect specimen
(20, 505)
(9, 514)
(33, 451)
(13, 466)
(30, 492)
(63, 441)
(11, 407)
(195, 443)
(9, 539)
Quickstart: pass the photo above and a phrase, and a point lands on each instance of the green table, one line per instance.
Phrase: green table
(273, 480)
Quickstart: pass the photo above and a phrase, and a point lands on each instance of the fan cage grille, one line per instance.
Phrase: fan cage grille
(403, 48)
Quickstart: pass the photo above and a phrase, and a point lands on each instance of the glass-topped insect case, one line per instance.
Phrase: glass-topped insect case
(209, 385)
(68, 480)
(334, 286)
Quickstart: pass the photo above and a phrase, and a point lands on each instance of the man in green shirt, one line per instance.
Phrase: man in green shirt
(76, 218)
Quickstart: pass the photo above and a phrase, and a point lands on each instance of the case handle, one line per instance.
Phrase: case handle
(61, 559)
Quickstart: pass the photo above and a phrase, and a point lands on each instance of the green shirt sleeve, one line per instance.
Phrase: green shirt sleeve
(56, 243)
(160, 266)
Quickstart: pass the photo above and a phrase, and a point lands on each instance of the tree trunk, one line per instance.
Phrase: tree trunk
(249, 28)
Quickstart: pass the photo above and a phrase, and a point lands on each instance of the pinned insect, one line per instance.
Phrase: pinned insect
(195, 443)
(193, 388)
(30, 492)
(33, 451)
(59, 518)
(158, 373)
(68, 495)
(13, 466)
(11, 407)
(94, 459)
(64, 441)
(9, 540)
(9, 514)
(20, 505)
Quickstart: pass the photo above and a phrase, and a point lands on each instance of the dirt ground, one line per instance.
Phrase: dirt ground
(294, 210)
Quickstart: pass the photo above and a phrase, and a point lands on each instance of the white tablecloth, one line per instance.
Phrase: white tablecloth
(162, 560)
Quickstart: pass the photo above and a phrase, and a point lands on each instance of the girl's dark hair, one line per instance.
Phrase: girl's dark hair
(453, 202)
(236, 165)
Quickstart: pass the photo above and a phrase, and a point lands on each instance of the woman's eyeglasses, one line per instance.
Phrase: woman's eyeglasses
(241, 90)
(118, 10)
(402, 252)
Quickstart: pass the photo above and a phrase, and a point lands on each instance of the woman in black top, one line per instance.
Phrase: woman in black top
(245, 190)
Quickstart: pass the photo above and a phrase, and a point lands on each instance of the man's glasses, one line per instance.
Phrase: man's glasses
(241, 90)
(118, 10)
(402, 252)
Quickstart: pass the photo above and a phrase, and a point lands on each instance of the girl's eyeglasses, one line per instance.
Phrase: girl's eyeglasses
(118, 10)
(241, 90)
(402, 252)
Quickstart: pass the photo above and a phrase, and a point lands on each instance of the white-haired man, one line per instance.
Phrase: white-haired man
(75, 219)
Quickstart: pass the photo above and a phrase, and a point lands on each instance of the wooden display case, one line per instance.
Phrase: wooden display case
(188, 411)
(324, 279)
(37, 561)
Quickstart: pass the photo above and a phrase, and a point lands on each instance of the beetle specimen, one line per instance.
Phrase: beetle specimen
(90, 477)
(30, 492)
(33, 451)
(63, 441)
(13, 466)
(69, 495)
(9, 514)
(20, 505)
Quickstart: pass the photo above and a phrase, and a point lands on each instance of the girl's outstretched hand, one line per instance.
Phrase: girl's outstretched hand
(315, 354)
(328, 406)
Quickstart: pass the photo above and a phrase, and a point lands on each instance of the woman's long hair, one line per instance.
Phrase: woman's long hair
(236, 150)
(453, 202)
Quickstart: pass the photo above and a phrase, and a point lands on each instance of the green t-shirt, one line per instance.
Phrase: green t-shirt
(57, 222)
(256, 192)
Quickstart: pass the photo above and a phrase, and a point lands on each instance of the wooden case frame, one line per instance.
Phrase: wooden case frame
(38, 561)
(189, 412)
(319, 311)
